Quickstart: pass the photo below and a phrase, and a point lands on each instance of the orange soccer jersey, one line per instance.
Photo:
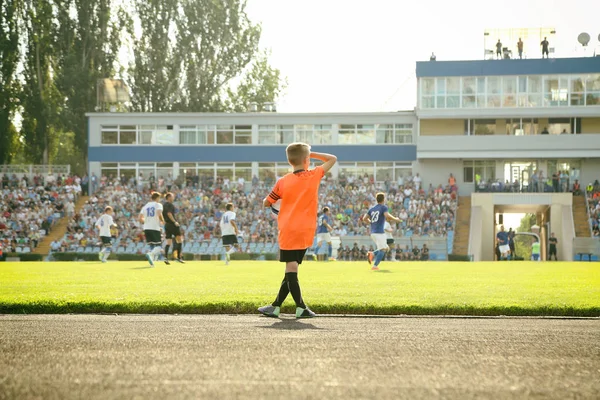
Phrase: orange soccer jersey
(297, 217)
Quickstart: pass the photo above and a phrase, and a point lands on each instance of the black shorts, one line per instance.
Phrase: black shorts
(152, 237)
(292, 255)
(171, 230)
(229, 240)
(389, 241)
(106, 240)
(552, 250)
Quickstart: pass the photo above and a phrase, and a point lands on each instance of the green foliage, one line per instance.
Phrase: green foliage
(10, 33)
(459, 257)
(522, 242)
(24, 256)
(482, 288)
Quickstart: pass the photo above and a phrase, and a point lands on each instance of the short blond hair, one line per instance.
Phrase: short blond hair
(297, 152)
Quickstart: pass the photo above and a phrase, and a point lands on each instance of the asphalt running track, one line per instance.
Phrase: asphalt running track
(248, 356)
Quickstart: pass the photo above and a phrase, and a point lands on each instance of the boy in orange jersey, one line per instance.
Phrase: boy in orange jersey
(297, 218)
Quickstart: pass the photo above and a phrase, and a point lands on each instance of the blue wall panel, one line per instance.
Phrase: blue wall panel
(223, 153)
(582, 65)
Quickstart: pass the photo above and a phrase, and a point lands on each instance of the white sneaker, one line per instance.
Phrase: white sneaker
(149, 258)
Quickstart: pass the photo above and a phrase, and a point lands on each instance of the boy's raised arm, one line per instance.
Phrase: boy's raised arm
(329, 160)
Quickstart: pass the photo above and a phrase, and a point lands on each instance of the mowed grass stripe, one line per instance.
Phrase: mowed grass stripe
(419, 288)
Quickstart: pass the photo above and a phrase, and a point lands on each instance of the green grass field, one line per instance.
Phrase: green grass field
(440, 288)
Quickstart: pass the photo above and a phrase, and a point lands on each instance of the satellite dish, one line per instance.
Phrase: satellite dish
(583, 38)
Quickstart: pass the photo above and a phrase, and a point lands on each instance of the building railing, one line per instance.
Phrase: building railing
(31, 170)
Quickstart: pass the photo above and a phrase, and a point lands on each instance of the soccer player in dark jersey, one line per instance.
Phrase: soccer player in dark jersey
(323, 233)
(172, 229)
(377, 216)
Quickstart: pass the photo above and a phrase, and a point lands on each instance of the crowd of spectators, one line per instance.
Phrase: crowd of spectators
(397, 253)
(559, 182)
(593, 193)
(200, 202)
(29, 208)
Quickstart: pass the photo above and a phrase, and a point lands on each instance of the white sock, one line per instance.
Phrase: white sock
(231, 250)
(155, 253)
(106, 254)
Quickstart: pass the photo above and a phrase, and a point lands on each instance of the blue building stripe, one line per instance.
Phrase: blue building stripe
(224, 153)
(587, 65)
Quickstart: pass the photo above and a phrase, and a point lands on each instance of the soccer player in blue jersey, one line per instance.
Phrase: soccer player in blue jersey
(323, 232)
(377, 216)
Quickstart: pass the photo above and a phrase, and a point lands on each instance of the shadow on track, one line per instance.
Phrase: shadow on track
(384, 271)
(290, 325)
(148, 267)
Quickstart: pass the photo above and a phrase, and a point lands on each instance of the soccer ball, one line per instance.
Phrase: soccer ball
(275, 207)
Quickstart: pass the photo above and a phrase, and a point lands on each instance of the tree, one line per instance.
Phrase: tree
(40, 98)
(523, 242)
(10, 34)
(155, 73)
(219, 42)
(88, 38)
(262, 84)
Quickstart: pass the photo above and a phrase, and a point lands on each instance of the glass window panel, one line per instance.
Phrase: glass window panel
(493, 85)
(165, 137)
(187, 137)
(428, 86)
(522, 84)
(441, 85)
(384, 133)
(286, 134)
(441, 102)
(453, 85)
(481, 101)
(592, 83)
(469, 99)
(243, 170)
(384, 171)
(577, 84)
(363, 169)
(493, 101)
(224, 136)
(304, 133)
(592, 99)
(109, 172)
(109, 127)
(577, 99)
(243, 137)
(347, 134)
(110, 137)
(267, 137)
(509, 100)
(468, 174)
(453, 101)
(322, 134)
(225, 170)
(428, 102)
(481, 85)
(534, 84)
(509, 85)
(523, 100)
(365, 134)
(469, 86)
(206, 134)
(484, 127)
(128, 137)
(535, 100)
(127, 127)
(266, 172)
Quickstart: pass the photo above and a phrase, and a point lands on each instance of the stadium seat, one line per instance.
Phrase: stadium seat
(26, 250)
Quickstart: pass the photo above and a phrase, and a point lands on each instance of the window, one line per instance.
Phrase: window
(266, 172)
(484, 127)
(304, 133)
(384, 133)
(347, 134)
(577, 97)
(267, 134)
(384, 171)
(493, 91)
(243, 134)
(224, 134)
(322, 134)
(440, 84)
(555, 91)
(509, 91)
(365, 134)
(453, 92)
(110, 137)
(187, 135)
(225, 170)
(592, 88)
(403, 133)
(206, 134)
(484, 170)
(428, 93)
(243, 170)
(469, 90)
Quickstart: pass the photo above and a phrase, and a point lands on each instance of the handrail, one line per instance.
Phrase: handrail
(587, 213)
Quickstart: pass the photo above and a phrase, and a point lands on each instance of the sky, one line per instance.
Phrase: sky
(350, 56)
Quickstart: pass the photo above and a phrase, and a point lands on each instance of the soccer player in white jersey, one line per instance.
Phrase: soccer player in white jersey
(152, 218)
(389, 235)
(104, 223)
(229, 232)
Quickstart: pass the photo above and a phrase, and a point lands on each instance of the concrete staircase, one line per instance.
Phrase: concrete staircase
(59, 229)
(463, 226)
(580, 217)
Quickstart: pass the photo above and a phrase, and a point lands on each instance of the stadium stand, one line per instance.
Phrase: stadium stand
(30, 206)
(200, 201)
